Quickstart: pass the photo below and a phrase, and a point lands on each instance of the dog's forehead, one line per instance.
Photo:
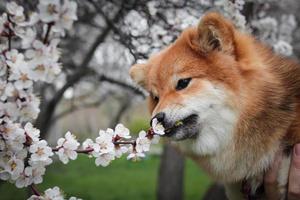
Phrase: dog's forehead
(161, 68)
(174, 63)
(165, 65)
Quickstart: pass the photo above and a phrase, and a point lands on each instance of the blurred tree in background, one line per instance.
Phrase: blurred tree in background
(111, 35)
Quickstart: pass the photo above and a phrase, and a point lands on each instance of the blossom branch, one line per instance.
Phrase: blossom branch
(45, 41)
(89, 150)
(133, 142)
(84, 151)
(10, 32)
(34, 190)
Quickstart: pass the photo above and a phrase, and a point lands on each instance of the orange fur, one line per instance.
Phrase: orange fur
(264, 88)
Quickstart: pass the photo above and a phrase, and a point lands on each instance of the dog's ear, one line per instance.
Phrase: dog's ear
(138, 74)
(214, 33)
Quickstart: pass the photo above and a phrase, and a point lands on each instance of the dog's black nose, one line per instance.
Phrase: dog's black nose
(160, 117)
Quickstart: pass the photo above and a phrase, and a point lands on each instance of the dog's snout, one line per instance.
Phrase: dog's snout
(160, 117)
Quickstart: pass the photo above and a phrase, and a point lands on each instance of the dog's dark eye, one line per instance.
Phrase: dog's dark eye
(183, 83)
(155, 98)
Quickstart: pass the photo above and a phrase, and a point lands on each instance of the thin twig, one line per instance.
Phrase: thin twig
(90, 149)
(34, 190)
(117, 140)
(45, 41)
(125, 142)
(10, 33)
(86, 151)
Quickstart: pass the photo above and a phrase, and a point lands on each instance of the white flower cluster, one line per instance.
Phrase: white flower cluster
(51, 194)
(23, 156)
(284, 48)
(62, 15)
(277, 33)
(111, 144)
(67, 148)
(232, 10)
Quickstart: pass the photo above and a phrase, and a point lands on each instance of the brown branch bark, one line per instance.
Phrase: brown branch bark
(124, 39)
(75, 108)
(122, 84)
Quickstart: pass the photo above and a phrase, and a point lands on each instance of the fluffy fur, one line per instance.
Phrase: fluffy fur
(245, 98)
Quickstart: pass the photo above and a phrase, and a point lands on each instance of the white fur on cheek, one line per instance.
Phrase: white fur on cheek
(217, 130)
(216, 118)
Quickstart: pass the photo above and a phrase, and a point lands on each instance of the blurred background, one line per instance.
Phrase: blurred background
(95, 91)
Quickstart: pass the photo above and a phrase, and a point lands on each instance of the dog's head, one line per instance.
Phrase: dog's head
(194, 81)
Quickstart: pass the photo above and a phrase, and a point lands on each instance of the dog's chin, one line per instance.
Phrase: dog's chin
(188, 130)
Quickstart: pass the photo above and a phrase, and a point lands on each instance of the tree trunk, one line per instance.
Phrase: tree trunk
(215, 192)
(171, 175)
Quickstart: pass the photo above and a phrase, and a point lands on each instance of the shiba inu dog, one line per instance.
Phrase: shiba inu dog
(239, 103)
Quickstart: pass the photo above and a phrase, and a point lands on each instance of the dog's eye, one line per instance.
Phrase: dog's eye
(155, 98)
(183, 83)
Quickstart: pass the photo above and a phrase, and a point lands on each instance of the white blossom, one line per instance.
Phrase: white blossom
(155, 139)
(27, 36)
(2, 144)
(267, 28)
(40, 151)
(232, 10)
(32, 132)
(62, 15)
(67, 148)
(134, 155)
(14, 59)
(44, 61)
(104, 140)
(49, 10)
(14, 136)
(158, 128)
(74, 198)
(33, 19)
(283, 48)
(120, 150)
(37, 173)
(122, 131)
(3, 20)
(53, 194)
(104, 159)
(66, 18)
(88, 143)
(35, 197)
(142, 142)
(15, 167)
(25, 178)
(16, 11)
(21, 75)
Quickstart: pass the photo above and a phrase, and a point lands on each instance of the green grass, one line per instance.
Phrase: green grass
(121, 180)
